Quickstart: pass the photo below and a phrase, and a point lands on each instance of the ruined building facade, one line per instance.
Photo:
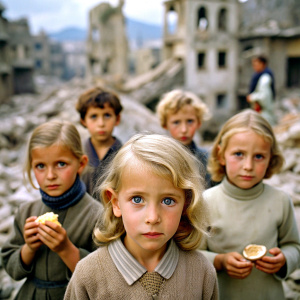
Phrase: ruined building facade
(203, 35)
(16, 62)
(107, 47)
(6, 89)
(21, 56)
(49, 58)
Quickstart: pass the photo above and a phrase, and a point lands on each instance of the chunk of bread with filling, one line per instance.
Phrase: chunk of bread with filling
(49, 216)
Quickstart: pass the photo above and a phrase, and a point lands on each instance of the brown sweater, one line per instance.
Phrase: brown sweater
(96, 277)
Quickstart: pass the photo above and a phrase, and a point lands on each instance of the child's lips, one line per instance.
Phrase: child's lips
(52, 186)
(152, 235)
(246, 177)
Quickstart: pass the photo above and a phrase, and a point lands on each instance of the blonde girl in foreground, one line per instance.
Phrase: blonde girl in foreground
(46, 254)
(153, 222)
(245, 211)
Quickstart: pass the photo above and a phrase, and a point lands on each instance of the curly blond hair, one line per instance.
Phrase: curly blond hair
(173, 101)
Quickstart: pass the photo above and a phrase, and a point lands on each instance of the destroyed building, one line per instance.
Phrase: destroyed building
(5, 68)
(107, 46)
(204, 37)
(207, 49)
(48, 56)
(21, 55)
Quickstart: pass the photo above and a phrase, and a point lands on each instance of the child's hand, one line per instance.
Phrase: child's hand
(55, 237)
(30, 234)
(271, 264)
(235, 265)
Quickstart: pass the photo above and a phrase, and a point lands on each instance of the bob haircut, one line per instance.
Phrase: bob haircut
(97, 97)
(241, 122)
(173, 101)
(167, 158)
(62, 133)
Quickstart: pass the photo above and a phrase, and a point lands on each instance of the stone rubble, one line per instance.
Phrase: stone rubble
(25, 112)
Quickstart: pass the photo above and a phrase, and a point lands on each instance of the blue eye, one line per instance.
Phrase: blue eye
(40, 166)
(137, 199)
(61, 164)
(168, 201)
(259, 156)
(191, 121)
(238, 154)
(176, 122)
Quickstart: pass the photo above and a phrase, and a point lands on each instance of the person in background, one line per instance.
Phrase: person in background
(262, 89)
(100, 112)
(244, 210)
(182, 113)
(46, 254)
(153, 222)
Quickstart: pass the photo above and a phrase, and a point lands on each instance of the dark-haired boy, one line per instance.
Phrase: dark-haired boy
(100, 112)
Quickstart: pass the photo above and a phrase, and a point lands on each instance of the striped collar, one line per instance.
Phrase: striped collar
(132, 270)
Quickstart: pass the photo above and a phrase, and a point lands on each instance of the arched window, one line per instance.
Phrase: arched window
(222, 19)
(202, 22)
(172, 20)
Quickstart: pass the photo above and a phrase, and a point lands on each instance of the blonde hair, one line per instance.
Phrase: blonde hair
(169, 159)
(241, 122)
(61, 133)
(173, 101)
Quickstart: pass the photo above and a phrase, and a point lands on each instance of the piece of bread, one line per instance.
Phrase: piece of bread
(254, 252)
(49, 216)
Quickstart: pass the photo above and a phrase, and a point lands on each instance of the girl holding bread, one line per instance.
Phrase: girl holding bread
(153, 221)
(45, 252)
(245, 210)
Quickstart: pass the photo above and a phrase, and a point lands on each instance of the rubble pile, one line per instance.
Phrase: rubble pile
(23, 113)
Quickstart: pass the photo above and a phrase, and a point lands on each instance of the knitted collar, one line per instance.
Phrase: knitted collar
(67, 199)
(242, 194)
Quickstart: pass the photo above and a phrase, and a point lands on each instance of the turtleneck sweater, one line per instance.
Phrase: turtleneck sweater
(261, 215)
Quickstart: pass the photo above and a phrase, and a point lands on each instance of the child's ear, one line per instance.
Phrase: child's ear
(221, 157)
(199, 124)
(112, 196)
(118, 119)
(82, 122)
(82, 163)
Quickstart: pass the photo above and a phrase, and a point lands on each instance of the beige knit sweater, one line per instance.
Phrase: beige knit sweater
(96, 277)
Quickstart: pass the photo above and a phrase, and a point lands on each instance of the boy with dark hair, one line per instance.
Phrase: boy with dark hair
(100, 111)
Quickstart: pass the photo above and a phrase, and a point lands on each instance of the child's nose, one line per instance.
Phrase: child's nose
(152, 215)
(183, 127)
(248, 163)
(51, 173)
(100, 121)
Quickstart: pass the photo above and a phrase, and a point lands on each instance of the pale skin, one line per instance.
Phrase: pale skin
(55, 169)
(100, 122)
(246, 158)
(151, 208)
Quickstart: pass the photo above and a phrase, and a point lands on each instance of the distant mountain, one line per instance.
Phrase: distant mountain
(136, 31)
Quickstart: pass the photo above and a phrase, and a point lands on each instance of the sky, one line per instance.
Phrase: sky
(54, 15)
